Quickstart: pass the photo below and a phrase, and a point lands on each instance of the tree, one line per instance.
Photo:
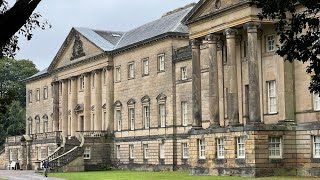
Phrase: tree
(297, 24)
(17, 19)
(15, 119)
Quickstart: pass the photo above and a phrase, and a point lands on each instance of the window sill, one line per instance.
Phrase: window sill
(269, 53)
(81, 90)
(117, 82)
(271, 114)
(161, 71)
(144, 75)
(220, 161)
(130, 78)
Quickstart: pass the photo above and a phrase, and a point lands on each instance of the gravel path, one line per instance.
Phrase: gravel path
(23, 175)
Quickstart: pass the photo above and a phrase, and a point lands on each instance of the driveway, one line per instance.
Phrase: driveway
(23, 174)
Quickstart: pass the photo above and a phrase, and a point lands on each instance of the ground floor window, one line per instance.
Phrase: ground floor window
(118, 151)
(202, 148)
(145, 151)
(316, 146)
(275, 147)
(131, 151)
(241, 147)
(87, 153)
(185, 151)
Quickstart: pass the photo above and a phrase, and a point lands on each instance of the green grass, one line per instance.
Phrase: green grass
(138, 175)
(2, 179)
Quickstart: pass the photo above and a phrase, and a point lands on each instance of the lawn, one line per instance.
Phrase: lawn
(135, 175)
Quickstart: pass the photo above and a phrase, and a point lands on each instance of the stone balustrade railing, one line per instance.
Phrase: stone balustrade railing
(47, 135)
(13, 139)
(93, 133)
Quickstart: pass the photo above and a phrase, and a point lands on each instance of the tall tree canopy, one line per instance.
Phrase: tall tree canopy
(19, 19)
(297, 23)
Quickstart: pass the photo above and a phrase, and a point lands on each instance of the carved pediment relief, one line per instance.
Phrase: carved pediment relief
(131, 102)
(145, 99)
(161, 97)
(117, 104)
(77, 49)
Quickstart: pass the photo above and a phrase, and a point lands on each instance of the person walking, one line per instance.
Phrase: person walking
(46, 166)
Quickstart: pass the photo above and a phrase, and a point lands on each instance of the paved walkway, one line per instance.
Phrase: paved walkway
(24, 175)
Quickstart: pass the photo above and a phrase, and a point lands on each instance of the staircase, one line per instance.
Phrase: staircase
(70, 150)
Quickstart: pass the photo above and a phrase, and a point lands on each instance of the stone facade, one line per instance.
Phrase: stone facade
(215, 99)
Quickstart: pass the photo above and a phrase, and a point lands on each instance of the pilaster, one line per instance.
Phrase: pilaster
(74, 99)
(109, 99)
(98, 100)
(64, 105)
(87, 102)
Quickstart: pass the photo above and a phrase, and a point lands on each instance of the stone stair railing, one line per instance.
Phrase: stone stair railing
(68, 156)
(2, 149)
(58, 151)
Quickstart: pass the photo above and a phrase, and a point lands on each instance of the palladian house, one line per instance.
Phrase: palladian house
(199, 89)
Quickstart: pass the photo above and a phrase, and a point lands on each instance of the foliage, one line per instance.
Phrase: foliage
(13, 95)
(297, 24)
(139, 175)
(18, 20)
(15, 119)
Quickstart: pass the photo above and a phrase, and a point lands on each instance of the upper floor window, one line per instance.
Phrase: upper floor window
(275, 147)
(131, 118)
(118, 74)
(162, 115)
(220, 148)
(184, 73)
(202, 148)
(184, 113)
(146, 111)
(30, 96)
(45, 92)
(272, 97)
(119, 120)
(270, 43)
(316, 102)
(131, 71)
(241, 147)
(316, 146)
(161, 62)
(145, 67)
(38, 95)
(81, 83)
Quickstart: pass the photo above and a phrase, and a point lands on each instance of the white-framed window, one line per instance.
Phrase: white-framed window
(185, 151)
(119, 120)
(118, 74)
(184, 113)
(131, 151)
(146, 116)
(202, 148)
(131, 117)
(118, 151)
(145, 151)
(220, 148)
(131, 71)
(145, 65)
(162, 115)
(316, 147)
(81, 83)
(316, 102)
(161, 62)
(87, 153)
(270, 43)
(30, 96)
(45, 92)
(272, 97)
(38, 95)
(275, 147)
(241, 151)
(38, 153)
(161, 151)
(184, 73)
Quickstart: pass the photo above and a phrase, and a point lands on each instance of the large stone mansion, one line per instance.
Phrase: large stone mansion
(201, 89)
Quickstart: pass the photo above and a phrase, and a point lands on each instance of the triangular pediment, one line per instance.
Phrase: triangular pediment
(206, 7)
(76, 47)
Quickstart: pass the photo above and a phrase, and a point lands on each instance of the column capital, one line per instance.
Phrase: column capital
(230, 32)
(73, 78)
(252, 26)
(108, 68)
(86, 74)
(212, 38)
(195, 42)
(64, 80)
(96, 71)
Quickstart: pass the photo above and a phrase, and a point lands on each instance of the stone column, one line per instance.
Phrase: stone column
(64, 105)
(55, 96)
(233, 107)
(253, 67)
(213, 80)
(196, 84)
(98, 99)
(87, 102)
(74, 102)
(109, 99)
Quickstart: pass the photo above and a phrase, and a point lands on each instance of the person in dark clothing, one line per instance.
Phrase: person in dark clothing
(46, 166)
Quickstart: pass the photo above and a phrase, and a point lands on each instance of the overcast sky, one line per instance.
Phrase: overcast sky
(119, 15)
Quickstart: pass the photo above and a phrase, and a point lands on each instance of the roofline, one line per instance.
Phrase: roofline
(36, 77)
(150, 40)
(187, 22)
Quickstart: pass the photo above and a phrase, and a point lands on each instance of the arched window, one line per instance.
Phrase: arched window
(45, 123)
(118, 114)
(37, 118)
(161, 99)
(146, 111)
(131, 113)
(29, 126)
